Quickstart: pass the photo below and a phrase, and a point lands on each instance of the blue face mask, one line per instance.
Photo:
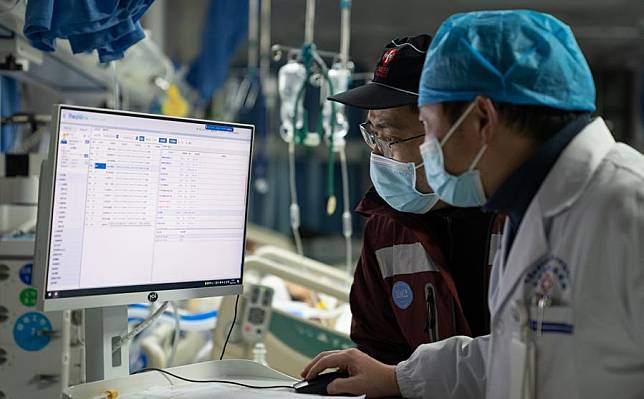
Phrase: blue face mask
(464, 190)
(395, 182)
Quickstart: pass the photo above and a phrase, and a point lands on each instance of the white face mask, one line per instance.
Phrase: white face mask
(395, 182)
(464, 190)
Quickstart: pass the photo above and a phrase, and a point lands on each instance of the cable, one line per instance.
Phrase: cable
(223, 350)
(140, 327)
(145, 370)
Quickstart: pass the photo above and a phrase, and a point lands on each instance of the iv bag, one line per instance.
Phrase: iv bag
(291, 77)
(339, 77)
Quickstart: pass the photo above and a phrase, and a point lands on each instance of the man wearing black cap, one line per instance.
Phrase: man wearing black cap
(422, 275)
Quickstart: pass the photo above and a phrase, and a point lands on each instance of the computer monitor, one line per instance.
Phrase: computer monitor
(141, 208)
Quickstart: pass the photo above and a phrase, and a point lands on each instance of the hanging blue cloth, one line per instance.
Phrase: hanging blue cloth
(225, 26)
(10, 104)
(108, 26)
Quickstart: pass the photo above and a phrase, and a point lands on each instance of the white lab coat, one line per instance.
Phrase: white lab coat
(585, 228)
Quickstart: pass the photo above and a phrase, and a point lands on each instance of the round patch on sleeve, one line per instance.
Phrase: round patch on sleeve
(402, 294)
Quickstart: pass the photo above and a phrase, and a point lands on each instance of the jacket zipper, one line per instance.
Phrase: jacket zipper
(450, 234)
(431, 327)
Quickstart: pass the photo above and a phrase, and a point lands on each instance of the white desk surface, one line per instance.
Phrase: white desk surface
(155, 385)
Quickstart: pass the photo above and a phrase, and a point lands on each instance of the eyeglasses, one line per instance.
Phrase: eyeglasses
(379, 145)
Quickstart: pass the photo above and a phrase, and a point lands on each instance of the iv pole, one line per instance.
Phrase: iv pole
(294, 209)
(347, 228)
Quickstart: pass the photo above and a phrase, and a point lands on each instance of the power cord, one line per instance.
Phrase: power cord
(223, 350)
(212, 381)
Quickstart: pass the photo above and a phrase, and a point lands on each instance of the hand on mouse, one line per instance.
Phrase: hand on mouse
(368, 376)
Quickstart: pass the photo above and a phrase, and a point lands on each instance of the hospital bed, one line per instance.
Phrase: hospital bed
(296, 331)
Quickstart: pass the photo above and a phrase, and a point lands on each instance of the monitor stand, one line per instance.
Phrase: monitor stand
(103, 329)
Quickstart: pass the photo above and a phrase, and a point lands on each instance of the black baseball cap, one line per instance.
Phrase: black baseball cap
(395, 79)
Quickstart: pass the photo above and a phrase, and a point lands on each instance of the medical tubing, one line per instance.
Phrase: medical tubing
(294, 208)
(190, 322)
(330, 191)
(140, 327)
(299, 134)
(345, 32)
(309, 55)
(175, 337)
(347, 226)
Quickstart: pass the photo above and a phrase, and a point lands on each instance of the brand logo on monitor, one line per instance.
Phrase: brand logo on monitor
(76, 116)
(153, 296)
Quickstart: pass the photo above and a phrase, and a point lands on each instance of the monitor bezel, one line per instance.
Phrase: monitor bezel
(44, 224)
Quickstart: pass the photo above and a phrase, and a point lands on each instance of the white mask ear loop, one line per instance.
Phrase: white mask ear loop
(457, 123)
(478, 157)
(419, 166)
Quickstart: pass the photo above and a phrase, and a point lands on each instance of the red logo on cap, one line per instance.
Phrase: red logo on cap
(382, 70)
(388, 56)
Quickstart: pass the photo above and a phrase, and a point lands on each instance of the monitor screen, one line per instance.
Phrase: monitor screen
(145, 203)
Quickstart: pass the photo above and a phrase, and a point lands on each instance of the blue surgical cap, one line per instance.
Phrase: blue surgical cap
(517, 56)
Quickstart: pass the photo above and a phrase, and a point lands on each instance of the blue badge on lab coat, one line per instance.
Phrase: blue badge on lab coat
(402, 294)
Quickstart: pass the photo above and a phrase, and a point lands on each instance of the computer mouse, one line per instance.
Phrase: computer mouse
(318, 384)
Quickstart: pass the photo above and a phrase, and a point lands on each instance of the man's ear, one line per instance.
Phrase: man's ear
(488, 118)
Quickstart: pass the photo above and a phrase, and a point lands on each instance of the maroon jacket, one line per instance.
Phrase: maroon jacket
(420, 278)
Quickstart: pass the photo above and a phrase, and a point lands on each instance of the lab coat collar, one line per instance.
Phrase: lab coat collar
(529, 246)
(562, 187)
(574, 169)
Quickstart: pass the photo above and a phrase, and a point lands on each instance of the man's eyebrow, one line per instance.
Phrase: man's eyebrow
(384, 124)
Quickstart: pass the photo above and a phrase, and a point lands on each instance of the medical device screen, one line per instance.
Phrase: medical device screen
(144, 202)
